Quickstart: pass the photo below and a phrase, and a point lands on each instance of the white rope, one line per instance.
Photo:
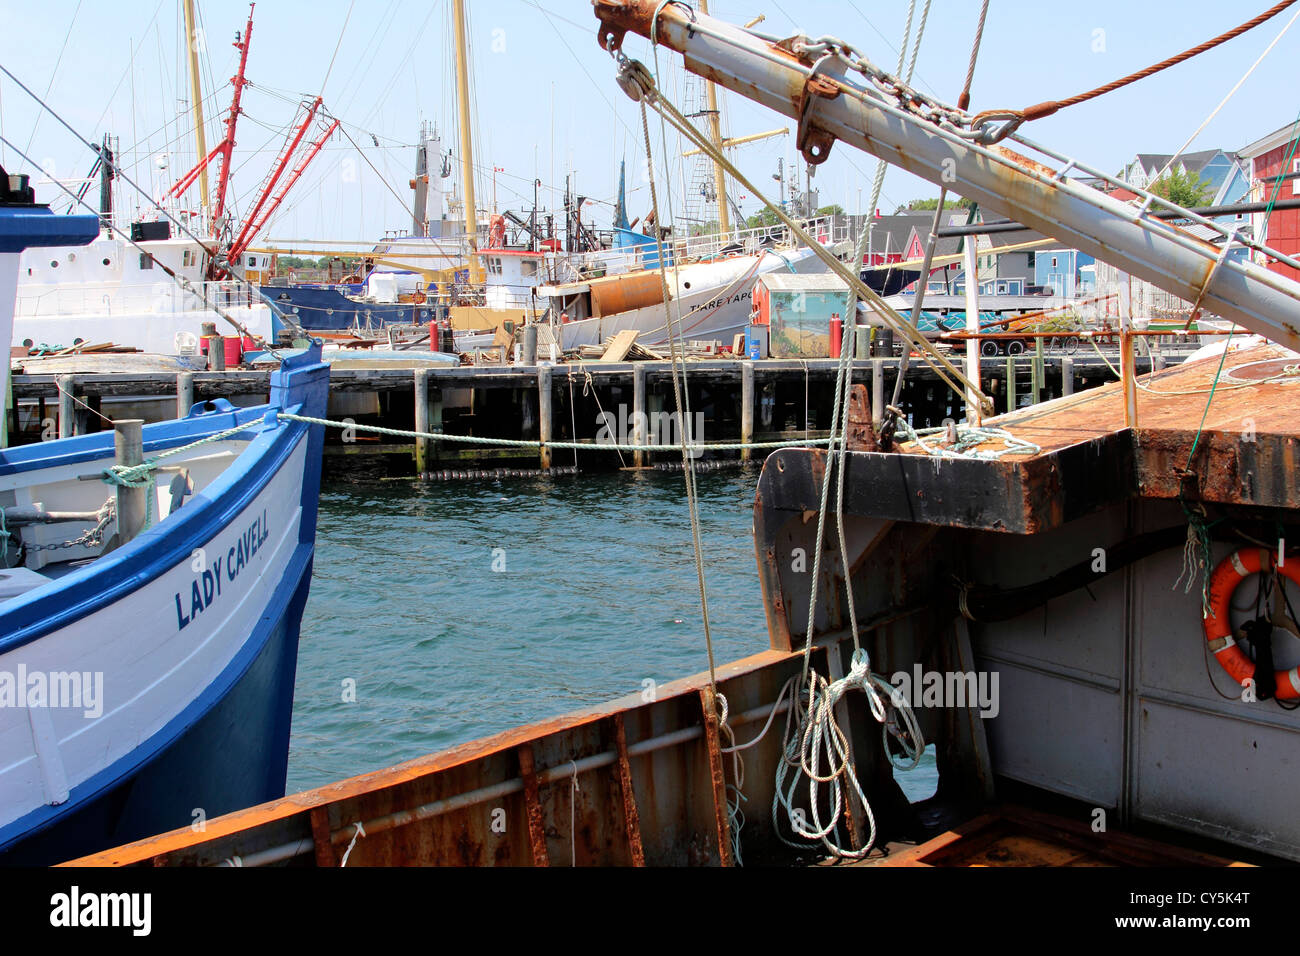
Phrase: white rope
(573, 816)
(822, 721)
(361, 831)
(1231, 93)
(694, 447)
(815, 733)
(968, 441)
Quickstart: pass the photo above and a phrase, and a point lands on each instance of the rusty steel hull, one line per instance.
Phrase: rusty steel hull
(957, 567)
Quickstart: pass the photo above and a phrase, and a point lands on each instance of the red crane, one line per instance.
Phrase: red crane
(258, 215)
(226, 147)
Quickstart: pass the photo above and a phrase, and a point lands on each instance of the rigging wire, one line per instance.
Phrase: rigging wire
(54, 73)
(1050, 107)
(1231, 93)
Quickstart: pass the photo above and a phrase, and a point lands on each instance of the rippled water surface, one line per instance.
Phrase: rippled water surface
(598, 593)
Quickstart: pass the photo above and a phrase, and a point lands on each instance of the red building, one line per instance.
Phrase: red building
(1274, 159)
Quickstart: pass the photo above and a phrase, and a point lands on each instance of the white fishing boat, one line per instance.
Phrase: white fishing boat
(152, 583)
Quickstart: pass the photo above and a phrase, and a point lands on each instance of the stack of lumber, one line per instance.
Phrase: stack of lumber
(621, 348)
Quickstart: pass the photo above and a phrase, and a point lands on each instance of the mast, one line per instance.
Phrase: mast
(466, 141)
(228, 144)
(196, 99)
(106, 175)
(715, 134)
(419, 210)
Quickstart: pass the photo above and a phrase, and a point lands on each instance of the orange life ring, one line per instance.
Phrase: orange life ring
(1231, 571)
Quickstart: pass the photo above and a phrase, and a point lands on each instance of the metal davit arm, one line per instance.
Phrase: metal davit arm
(835, 95)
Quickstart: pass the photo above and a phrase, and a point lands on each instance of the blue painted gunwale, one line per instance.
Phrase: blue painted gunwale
(162, 547)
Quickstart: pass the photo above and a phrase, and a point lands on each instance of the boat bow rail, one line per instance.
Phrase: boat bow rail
(835, 94)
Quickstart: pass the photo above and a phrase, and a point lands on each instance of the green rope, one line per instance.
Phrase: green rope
(141, 475)
(968, 439)
(1198, 530)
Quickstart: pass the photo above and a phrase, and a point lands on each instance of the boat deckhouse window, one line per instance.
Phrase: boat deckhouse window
(146, 261)
(527, 267)
(494, 265)
(187, 258)
(1295, 183)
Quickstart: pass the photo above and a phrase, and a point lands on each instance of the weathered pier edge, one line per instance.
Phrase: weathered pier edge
(593, 403)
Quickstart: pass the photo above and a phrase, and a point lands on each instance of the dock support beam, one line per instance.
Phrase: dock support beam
(877, 390)
(639, 420)
(184, 393)
(422, 445)
(544, 415)
(1011, 383)
(974, 414)
(132, 503)
(1036, 372)
(67, 412)
(746, 408)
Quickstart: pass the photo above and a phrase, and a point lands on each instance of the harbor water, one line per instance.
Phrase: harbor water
(442, 612)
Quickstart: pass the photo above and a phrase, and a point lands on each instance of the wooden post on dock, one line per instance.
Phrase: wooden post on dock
(1067, 376)
(1036, 372)
(1011, 382)
(184, 393)
(544, 415)
(422, 445)
(877, 390)
(746, 408)
(67, 414)
(639, 420)
(132, 503)
(9, 404)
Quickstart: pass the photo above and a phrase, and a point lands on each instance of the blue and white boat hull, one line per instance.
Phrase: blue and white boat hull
(183, 644)
(150, 685)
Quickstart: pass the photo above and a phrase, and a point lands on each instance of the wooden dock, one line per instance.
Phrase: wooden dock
(591, 402)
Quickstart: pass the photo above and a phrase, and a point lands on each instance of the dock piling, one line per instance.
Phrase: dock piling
(877, 389)
(638, 415)
(544, 415)
(422, 445)
(67, 410)
(184, 393)
(746, 408)
(1067, 376)
(132, 503)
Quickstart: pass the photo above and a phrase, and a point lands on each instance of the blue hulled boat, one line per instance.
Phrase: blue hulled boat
(147, 667)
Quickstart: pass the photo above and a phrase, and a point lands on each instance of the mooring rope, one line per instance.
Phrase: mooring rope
(694, 447)
(820, 726)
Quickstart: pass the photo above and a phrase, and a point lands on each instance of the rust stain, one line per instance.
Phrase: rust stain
(631, 819)
(533, 806)
(320, 834)
(388, 782)
(713, 744)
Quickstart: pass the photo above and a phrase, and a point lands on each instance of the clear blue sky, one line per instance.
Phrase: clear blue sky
(546, 99)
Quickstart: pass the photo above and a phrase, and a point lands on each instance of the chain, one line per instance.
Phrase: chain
(91, 538)
(906, 96)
